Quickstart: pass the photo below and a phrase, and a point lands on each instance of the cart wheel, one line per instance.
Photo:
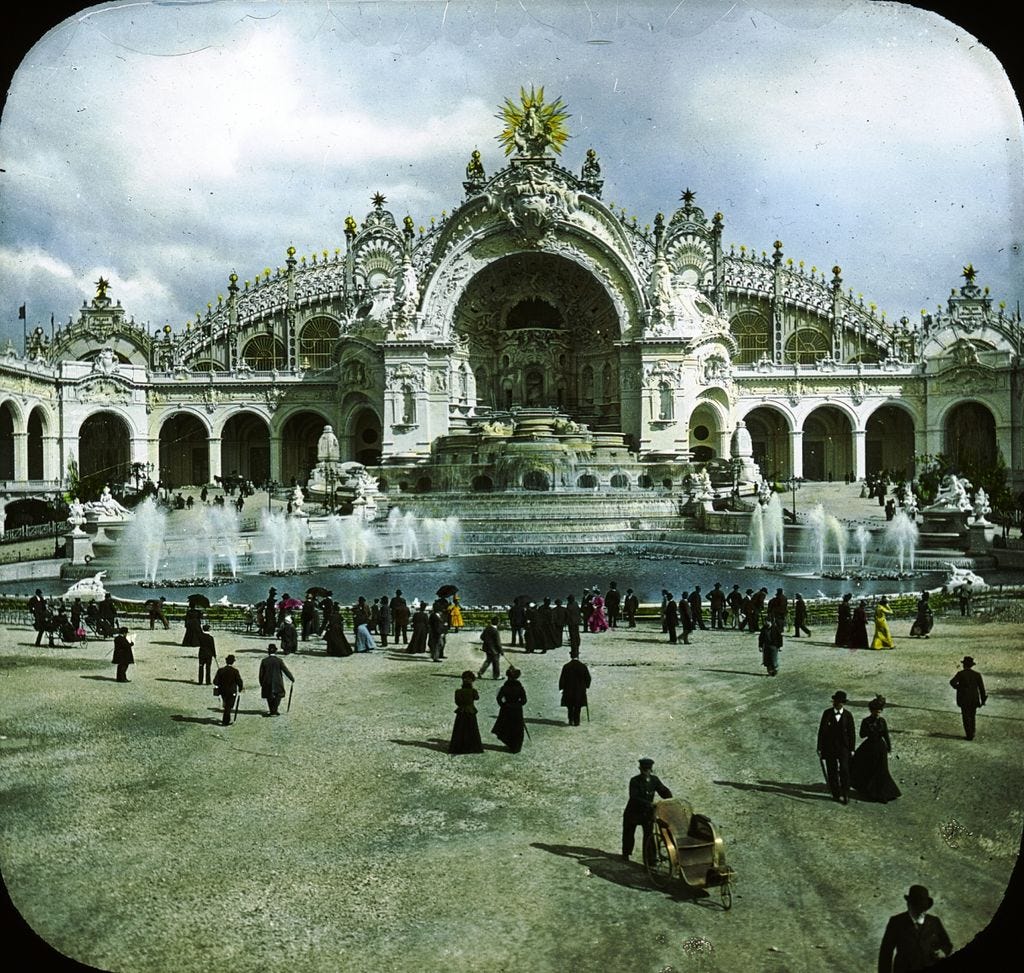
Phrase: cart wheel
(727, 895)
(657, 859)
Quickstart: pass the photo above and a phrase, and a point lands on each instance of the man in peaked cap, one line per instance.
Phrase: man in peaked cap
(915, 938)
(836, 743)
(640, 806)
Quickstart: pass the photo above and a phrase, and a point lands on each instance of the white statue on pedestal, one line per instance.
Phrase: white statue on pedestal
(981, 506)
(298, 499)
(107, 506)
(76, 517)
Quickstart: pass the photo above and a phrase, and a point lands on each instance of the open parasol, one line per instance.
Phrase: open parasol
(198, 600)
(291, 603)
(316, 592)
(446, 590)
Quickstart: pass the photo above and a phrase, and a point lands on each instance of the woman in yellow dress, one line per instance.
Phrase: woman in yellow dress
(883, 637)
(455, 621)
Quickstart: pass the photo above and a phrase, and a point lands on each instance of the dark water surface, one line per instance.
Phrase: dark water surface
(496, 580)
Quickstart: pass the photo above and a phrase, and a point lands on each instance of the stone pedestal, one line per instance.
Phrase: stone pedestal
(78, 547)
(980, 538)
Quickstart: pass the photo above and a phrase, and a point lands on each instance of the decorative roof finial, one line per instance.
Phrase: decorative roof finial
(531, 127)
(969, 273)
(378, 200)
(101, 288)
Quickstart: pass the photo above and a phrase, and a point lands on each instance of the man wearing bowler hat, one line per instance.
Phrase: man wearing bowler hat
(836, 743)
(970, 693)
(640, 807)
(914, 937)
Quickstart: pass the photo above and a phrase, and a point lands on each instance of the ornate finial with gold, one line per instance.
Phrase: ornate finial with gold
(532, 127)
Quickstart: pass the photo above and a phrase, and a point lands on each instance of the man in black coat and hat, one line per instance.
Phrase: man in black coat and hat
(611, 604)
(228, 680)
(207, 653)
(272, 673)
(639, 808)
(630, 606)
(574, 681)
(836, 743)
(970, 694)
(696, 609)
(270, 613)
(914, 937)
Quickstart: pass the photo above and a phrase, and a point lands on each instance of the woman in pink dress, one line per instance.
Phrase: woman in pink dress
(598, 622)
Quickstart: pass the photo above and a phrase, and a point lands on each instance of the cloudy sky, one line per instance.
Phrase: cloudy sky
(164, 145)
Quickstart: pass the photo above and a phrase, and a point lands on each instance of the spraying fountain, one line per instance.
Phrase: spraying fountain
(766, 529)
(827, 535)
(901, 535)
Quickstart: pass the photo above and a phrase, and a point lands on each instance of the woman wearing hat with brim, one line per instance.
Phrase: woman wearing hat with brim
(869, 767)
(466, 732)
(509, 726)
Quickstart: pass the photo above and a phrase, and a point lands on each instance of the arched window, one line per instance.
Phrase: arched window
(750, 329)
(806, 346)
(619, 481)
(264, 353)
(534, 387)
(316, 344)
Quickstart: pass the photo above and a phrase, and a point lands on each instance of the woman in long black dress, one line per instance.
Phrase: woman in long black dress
(843, 628)
(418, 642)
(924, 620)
(466, 733)
(508, 727)
(869, 768)
(193, 626)
(859, 627)
(334, 635)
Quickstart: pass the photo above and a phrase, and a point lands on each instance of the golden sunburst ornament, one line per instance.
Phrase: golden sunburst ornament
(532, 126)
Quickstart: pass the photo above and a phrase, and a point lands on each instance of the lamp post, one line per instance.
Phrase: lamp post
(794, 484)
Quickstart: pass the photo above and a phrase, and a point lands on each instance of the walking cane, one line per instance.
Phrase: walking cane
(238, 699)
(586, 706)
(290, 691)
(527, 729)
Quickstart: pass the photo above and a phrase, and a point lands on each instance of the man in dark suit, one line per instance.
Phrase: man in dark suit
(229, 681)
(574, 681)
(611, 605)
(696, 611)
(207, 653)
(970, 694)
(671, 618)
(836, 743)
(914, 937)
(735, 601)
(640, 807)
(685, 617)
(630, 606)
(716, 599)
(272, 673)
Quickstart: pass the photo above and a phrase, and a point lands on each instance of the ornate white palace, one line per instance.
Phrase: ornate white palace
(615, 354)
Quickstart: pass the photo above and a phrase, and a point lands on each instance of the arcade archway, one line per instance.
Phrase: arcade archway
(969, 439)
(184, 452)
(299, 439)
(827, 445)
(6, 442)
(889, 442)
(365, 437)
(104, 450)
(769, 439)
(245, 447)
(36, 454)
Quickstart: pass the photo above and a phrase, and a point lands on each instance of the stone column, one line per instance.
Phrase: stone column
(215, 458)
(51, 459)
(20, 457)
(859, 462)
(796, 452)
(275, 458)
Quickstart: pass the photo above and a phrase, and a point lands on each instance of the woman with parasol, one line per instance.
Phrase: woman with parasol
(455, 620)
(194, 619)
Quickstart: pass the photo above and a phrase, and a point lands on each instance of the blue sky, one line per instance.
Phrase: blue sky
(164, 146)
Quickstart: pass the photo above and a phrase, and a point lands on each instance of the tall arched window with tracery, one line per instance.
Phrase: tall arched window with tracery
(750, 329)
(264, 353)
(806, 346)
(317, 341)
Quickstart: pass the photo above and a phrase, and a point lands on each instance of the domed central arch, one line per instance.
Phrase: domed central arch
(540, 330)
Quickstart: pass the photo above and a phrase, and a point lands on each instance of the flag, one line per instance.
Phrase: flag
(21, 313)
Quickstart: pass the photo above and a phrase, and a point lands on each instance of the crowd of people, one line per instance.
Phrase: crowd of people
(414, 626)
